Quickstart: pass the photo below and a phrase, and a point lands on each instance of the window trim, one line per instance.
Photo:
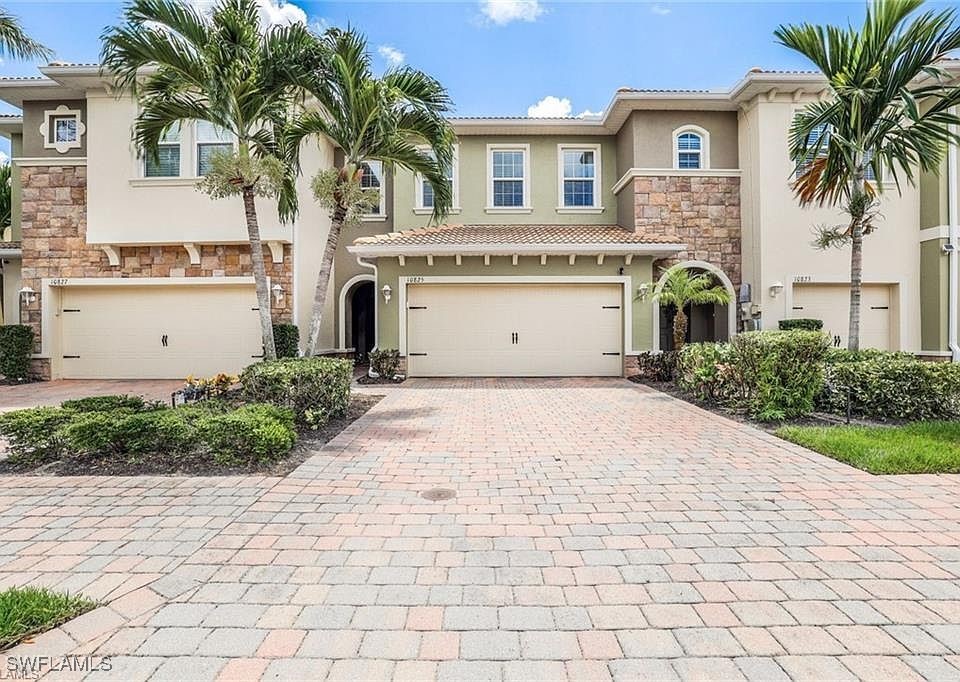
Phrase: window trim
(527, 189)
(597, 206)
(418, 207)
(382, 215)
(179, 176)
(704, 146)
(48, 128)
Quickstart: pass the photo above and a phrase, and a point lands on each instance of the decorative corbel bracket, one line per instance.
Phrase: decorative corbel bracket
(113, 253)
(276, 250)
(194, 252)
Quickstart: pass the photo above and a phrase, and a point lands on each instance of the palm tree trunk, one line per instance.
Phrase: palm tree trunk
(259, 273)
(679, 329)
(323, 279)
(856, 254)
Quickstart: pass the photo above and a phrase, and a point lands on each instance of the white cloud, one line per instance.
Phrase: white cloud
(393, 56)
(502, 12)
(660, 10)
(550, 107)
(319, 25)
(586, 113)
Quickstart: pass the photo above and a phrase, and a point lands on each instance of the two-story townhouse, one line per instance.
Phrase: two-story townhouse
(549, 263)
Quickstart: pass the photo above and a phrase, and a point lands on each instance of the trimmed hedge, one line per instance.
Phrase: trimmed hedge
(801, 323)
(315, 389)
(385, 363)
(892, 386)
(231, 436)
(100, 403)
(657, 366)
(16, 347)
(774, 375)
(286, 339)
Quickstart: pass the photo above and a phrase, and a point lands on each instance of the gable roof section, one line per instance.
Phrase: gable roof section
(514, 239)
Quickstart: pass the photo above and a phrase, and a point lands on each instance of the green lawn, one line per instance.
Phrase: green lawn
(30, 610)
(920, 448)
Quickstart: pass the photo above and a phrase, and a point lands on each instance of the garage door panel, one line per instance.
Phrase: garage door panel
(514, 330)
(158, 331)
(831, 303)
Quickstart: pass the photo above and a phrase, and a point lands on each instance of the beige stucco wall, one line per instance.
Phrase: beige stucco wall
(390, 271)
(124, 208)
(778, 233)
(651, 142)
(543, 186)
(11, 287)
(33, 117)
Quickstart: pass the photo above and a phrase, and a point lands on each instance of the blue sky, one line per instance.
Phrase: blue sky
(500, 57)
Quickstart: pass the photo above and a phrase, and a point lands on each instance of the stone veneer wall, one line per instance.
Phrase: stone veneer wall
(54, 222)
(700, 211)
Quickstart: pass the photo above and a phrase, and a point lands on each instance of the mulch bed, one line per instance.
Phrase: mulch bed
(366, 380)
(194, 465)
(813, 419)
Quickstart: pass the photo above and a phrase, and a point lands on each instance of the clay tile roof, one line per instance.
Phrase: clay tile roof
(514, 234)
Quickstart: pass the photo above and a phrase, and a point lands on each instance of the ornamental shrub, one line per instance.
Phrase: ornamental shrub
(251, 433)
(801, 323)
(893, 386)
(705, 370)
(16, 347)
(33, 433)
(101, 403)
(657, 366)
(286, 338)
(837, 355)
(315, 389)
(385, 363)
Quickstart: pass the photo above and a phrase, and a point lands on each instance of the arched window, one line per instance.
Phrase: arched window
(690, 148)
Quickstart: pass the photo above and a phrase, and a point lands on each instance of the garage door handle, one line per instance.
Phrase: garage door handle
(163, 340)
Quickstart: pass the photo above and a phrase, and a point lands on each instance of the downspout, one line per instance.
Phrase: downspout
(376, 300)
(953, 161)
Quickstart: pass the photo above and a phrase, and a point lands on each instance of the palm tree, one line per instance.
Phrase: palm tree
(890, 112)
(15, 43)
(681, 289)
(185, 66)
(5, 196)
(390, 119)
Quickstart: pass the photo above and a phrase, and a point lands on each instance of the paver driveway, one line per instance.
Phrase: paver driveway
(599, 530)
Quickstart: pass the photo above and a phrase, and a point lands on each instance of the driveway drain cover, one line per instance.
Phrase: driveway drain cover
(436, 494)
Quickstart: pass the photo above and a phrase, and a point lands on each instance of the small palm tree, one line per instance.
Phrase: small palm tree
(14, 41)
(681, 289)
(890, 110)
(185, 66)
(389, 119)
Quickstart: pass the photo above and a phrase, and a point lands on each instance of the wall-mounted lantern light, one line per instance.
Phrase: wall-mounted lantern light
(277, 293)
(643, 290)
(387, 293)
(776, 289)
(28, 295)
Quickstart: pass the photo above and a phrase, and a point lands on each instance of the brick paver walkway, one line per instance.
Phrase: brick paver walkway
(599, 530)
(55, 392)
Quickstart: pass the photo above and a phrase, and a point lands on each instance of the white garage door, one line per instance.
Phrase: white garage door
(158, 332)
(831, 303)
(514, 330)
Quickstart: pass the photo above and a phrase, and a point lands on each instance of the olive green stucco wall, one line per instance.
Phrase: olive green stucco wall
(390, 271)
(652, 137)
(933, 198)
(543, 189)
(16, 190)
(33, 117)
(933, 295)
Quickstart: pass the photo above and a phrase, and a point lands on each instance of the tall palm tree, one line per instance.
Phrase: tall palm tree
(889, 112)
(14, 41)
(185, 66)
(681, 288)
(389, 119)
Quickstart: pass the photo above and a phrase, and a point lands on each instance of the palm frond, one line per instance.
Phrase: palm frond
(15, 43)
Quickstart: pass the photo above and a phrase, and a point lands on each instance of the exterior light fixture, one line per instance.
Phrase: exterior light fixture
(776, 289)
(387, 293)
(28, 295)
(642, 291)
(277, 293)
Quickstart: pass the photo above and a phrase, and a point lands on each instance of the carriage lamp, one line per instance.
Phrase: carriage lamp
(776, 289)
(643, 290)
(387, 293)
(277, 293)
(28, 295)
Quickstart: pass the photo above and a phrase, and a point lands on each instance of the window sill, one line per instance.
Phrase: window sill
(164, 182)
(505, 210)
(373, 218)
(595, 210)
(420, 210)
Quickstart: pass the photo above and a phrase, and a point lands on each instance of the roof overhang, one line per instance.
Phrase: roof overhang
(761, 82)
(11, 252)
(14, 91)
(467, 249)
(10, 125)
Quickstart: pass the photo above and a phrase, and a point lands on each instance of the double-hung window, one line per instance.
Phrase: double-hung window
(166, 163)
(372, 178)
(210, 141)
(509, 170)
(579, 176)
(425, 193)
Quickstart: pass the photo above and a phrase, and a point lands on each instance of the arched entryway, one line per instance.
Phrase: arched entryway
(358, 326)
(706, 322)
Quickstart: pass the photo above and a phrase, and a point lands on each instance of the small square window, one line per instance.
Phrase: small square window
(64, 129)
